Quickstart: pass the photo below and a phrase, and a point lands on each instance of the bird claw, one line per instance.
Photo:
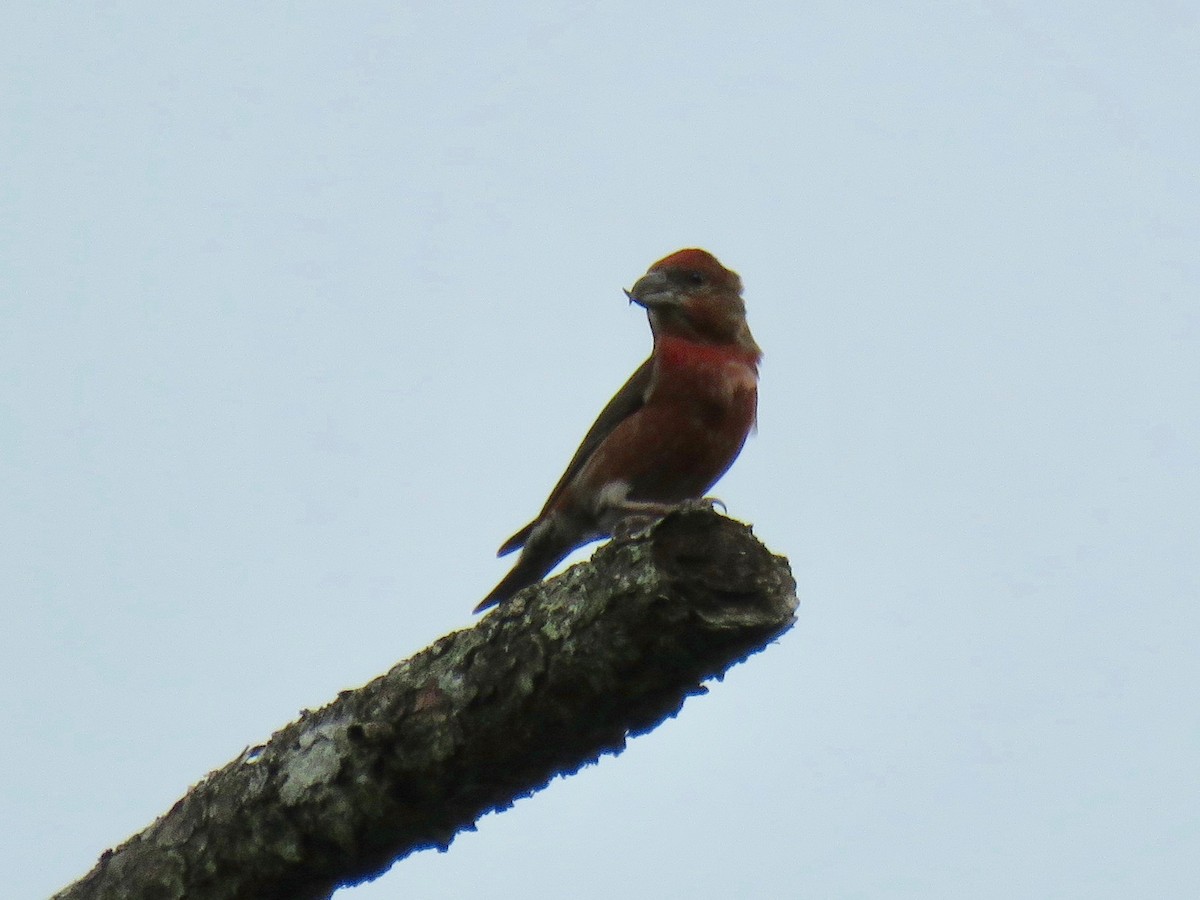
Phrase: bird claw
(703, 504)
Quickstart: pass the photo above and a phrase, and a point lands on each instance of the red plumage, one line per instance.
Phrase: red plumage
(670, 433)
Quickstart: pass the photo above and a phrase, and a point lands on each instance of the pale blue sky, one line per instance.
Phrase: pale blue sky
(305, 306)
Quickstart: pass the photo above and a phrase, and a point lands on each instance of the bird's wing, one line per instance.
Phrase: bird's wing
(628, 400)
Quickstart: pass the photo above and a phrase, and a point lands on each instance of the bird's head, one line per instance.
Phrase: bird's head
(692, 296)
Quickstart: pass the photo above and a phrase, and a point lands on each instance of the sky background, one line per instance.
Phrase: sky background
(304, 307)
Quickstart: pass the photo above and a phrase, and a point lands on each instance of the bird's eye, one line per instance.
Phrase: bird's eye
(696, 278)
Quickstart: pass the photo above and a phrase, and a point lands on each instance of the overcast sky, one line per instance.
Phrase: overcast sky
(304, 307)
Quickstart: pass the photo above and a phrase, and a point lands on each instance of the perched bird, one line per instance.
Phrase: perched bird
(667, 436)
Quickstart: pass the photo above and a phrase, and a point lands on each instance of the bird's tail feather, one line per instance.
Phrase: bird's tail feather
(547, 543)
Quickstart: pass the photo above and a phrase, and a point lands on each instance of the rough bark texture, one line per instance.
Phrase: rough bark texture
(551, 680)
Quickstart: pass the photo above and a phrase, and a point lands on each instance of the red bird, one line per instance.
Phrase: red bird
(667, 436)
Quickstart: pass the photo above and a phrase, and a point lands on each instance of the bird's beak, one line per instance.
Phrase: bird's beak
(651, 290)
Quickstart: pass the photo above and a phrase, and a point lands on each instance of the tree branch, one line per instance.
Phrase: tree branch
(548, 682)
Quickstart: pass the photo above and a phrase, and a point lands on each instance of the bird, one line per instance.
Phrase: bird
(669, 434)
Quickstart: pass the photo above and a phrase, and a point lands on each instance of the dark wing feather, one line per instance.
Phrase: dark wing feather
(628, 400)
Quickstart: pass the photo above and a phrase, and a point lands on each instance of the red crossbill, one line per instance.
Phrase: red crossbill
(669, 434)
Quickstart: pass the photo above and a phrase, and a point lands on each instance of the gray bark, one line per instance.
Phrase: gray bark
(549, 681)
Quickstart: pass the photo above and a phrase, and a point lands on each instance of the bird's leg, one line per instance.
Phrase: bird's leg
(631, 517)
(644, 508)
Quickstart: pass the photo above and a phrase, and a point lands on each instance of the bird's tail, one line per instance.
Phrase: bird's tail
(523, 574)
(547, 543)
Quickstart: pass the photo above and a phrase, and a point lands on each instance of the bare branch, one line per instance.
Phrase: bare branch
(548, 682)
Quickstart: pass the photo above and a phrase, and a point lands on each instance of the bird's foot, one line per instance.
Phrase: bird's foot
(702, 504)
(638, 516)
(634, 526)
